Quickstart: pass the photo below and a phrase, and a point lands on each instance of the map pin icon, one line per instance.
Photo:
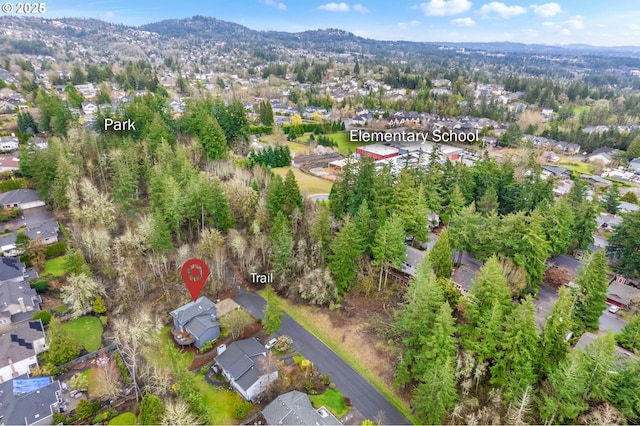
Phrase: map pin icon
(194, 274)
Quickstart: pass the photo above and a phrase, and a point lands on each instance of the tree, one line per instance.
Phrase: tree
(624, 245)
(23, 244)
(80, 293)
(629, 337)
(625, 396)
(346, 249)
(488, 202)
(440, 256)
(281, 244)
(320, 230)
(591, 291)
(62, 346)
(584, 224)
(630, 197)
(562, 396)
(26, 123)
(266, 113)
(272, 312)
(151, 410)
(236, 321)
(633, 151)
(178, 413)
(389, 249)
(611, 199)
(291, 192)
(515, 363)
(99, 307)
(212, 139)
(554, 344)
(558, 219)
(600, 359)
(74, 263)
(456, 202)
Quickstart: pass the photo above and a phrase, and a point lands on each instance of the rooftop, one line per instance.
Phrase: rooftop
(17, 408)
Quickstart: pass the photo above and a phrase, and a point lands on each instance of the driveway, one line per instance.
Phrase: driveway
(364, 396)
(609, 321)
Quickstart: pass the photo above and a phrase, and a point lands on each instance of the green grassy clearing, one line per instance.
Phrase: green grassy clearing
(308, 184)
(302, 315)
(54, 267)
(87, 331)
(333, 400)
(342, 138)
(127, 418)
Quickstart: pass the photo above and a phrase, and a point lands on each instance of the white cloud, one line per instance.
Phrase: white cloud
(463, 22)
(529, 33)
(445, 7)
(360, 8)
(547, 10)
(501, 10)
(407, 25)
(574, 23)
(335, 7)
(272, 3)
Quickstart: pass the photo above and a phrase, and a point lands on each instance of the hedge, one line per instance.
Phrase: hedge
(56, 249)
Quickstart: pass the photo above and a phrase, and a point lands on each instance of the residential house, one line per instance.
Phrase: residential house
(19, 347)
(294, 408)
(23, 198)
(608, 221)
(9, 163)
(25, 401)
(602, 155)
(558, 172)
(635, 164)
(47, 232)
(621, 355)
(37, 142)
(621, 294)
(89, 108)
(241, 365)
(596, 180)
(626, 207)
(9, 143)
(195, 323)
(18, 301)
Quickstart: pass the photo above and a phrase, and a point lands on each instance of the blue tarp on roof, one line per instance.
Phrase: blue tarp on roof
(22, 386)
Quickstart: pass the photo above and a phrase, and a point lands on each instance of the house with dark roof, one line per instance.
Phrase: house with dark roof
(294, 408)
(621, 355)
(18, 301)
(195, 323)
(47, 232)
(603, 155)
(25, 401)
(22, 198)
(241, 365)
(19, 347)
(620, 294)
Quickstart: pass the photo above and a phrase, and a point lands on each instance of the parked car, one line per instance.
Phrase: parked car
(613, 309)
(270, 343)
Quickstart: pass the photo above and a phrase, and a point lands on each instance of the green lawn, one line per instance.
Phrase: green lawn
(127, 418)
(54, 267)
(577, 166)
(87, 331)
(342, 138)
(333, 400)
(308, 184)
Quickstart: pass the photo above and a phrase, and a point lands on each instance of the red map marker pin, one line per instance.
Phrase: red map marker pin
(194, 274)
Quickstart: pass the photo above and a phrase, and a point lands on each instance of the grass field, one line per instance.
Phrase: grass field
(87, 331)
(127, 418)
(333, 400)
(54, 267)
(342, 138)
(308, 184)
(576, 166)
(308, 318)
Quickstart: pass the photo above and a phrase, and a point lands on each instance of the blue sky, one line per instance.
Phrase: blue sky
(611, 23)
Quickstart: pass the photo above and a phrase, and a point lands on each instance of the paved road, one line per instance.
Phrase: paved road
(318, 197)
(364, 396)
(609, 321)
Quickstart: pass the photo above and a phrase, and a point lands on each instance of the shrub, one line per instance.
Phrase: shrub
(332, 386)
(86, 408)
(347, 401)
(44, 316)
(55, 249)
(241, 409)
(283, 344)
(79, 382)
(104, 320)
(206, 346)
(99, 306)
(326, 379)
(102, 417)
(58, 418)
(40, 286)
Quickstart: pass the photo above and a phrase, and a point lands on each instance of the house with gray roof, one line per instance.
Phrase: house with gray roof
(22, 198)
(25, 401)
(47, 232)
(294, 408)
(621, 294)
(195, 323)
(18, 301)
(621, 355)
(19, 347)
(241, 365)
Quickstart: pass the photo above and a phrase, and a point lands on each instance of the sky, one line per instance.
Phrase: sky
(594, 22)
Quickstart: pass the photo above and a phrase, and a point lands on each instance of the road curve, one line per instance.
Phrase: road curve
(364, 396)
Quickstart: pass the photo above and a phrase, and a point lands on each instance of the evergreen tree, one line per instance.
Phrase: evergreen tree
(624, 245)
(625, 396)
(292, 197)
(611, 199)
(26, 123)
(320, 230)
(456, 202)
(558, 220)
(346, 250)
(591, 292)
(562, 397)
(272, 312)
(440, 256)
(553, 341)
(488, 202)
(99, 307)
(600, 363)
(629, 337)
(62, 346)
(388, 248)
(464, 230)
(584, 224)
(212, 139)
(276, 197)
(151, 410)
(281, 244)
(364, 225)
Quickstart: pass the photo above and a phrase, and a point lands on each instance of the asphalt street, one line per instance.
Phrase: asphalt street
(363, 395)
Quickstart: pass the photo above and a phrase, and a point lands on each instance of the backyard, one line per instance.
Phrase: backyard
(86, 331)
(333, 400)
(54, 267)
(309, 185)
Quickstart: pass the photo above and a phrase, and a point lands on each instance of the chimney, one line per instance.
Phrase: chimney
(22, 305)
(14, 373)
